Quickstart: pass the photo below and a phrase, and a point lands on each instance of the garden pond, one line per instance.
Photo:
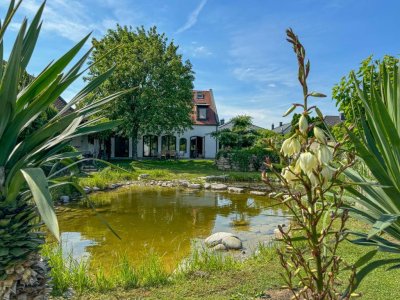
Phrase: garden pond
(164, 221)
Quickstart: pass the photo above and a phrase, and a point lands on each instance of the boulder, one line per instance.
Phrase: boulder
(228, 240)
(87, 190)
(96, 189)
(184, 183)
(195, 186)
(219, 247)
(237, 190)
(272, 194)
(219, 186)
(258, 193)
(207, 186)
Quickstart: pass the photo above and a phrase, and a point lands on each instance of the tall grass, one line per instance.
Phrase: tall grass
(67, 272)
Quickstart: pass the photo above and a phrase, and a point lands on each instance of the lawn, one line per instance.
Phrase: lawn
(191, 170)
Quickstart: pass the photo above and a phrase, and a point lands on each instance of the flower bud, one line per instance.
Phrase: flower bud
(308, 162)
(320, 135)
(324, 155)
(327, 174)
(303, 124)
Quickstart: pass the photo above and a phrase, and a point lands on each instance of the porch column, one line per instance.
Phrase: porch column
(130, 148)
(112, 147)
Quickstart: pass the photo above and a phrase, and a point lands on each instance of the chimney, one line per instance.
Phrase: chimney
(280, 124)
(222, 122)
(342, 118)
(272, 126)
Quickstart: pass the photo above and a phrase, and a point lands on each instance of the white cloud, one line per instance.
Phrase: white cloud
(201, 51)
(192, 19)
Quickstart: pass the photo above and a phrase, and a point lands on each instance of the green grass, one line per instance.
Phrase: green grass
(163, 170)
(221, 277)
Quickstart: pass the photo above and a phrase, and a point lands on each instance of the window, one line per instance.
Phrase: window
(150, 146)
(168, 143)
(183, 145)
(199, 95)
(202, 113)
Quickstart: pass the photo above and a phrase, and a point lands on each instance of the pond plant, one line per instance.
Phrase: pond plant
(310, 189)
(25, 200)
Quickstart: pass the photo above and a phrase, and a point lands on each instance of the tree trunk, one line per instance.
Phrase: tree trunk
(23, 273)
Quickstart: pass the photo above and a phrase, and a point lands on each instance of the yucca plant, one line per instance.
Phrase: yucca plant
(25, 201)
(377, 144)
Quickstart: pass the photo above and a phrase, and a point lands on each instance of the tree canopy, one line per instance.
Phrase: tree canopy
(345, 94)
(240, 136)
(145, 61)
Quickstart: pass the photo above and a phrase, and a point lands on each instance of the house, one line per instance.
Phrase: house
(195, 142)
(329, 121)
(229, 125)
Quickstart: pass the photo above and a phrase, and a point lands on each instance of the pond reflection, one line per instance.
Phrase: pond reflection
(165, 221)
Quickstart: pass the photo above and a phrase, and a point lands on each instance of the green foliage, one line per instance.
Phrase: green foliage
(240, 136)
(345, 93)
(22, 180)
(378, 145)
(146, 61)
(246, 159)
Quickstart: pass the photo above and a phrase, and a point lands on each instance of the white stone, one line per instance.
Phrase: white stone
(258, 193)
(219, 247)
(229, 240)
(237, 190)
(194, 186)
(207, 186)
(219, 186)
(96, 189)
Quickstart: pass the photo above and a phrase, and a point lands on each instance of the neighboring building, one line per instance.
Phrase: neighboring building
(282, 128)
(229, 125)
(329, 120)
(196, 142)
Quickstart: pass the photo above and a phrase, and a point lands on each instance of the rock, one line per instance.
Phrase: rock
(164, 184)
(219, 186)
(219, 247)
(96, 189)
(64, 199)
(272, 194)
(258, 193)
(207, 186)
(237, 190)
(195, 186)
(228, 240)
(232, 242)
(143, 176)
(183, 183)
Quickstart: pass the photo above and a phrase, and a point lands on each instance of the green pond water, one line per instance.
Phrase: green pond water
(164, 221)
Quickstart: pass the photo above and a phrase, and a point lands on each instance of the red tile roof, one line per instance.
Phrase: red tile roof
(208, 102)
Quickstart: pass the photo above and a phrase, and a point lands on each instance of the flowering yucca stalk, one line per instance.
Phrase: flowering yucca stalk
(312, 193)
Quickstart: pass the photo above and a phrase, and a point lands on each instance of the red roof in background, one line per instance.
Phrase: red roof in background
(208, 102)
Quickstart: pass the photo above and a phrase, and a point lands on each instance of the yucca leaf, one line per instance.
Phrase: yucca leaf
(37, 182)
(382, 223)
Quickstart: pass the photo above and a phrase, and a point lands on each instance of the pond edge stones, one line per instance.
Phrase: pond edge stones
(223, 241)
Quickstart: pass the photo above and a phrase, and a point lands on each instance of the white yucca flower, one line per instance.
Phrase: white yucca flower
(308, 162)
(313, 178)
(324, 155)
(320, 135)
(303, 124)
(327, 173)
(291, 146)
(288, 174)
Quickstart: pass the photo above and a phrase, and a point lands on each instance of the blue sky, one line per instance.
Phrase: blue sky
(237, 48)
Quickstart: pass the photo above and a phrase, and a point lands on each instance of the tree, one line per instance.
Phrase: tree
(240, 136)
(25, 199)
(146, 61)
(345, 92)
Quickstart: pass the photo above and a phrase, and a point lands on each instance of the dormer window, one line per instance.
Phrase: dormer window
(201, 113)
(199, 95)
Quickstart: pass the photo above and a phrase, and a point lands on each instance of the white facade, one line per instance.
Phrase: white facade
(207, 147)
